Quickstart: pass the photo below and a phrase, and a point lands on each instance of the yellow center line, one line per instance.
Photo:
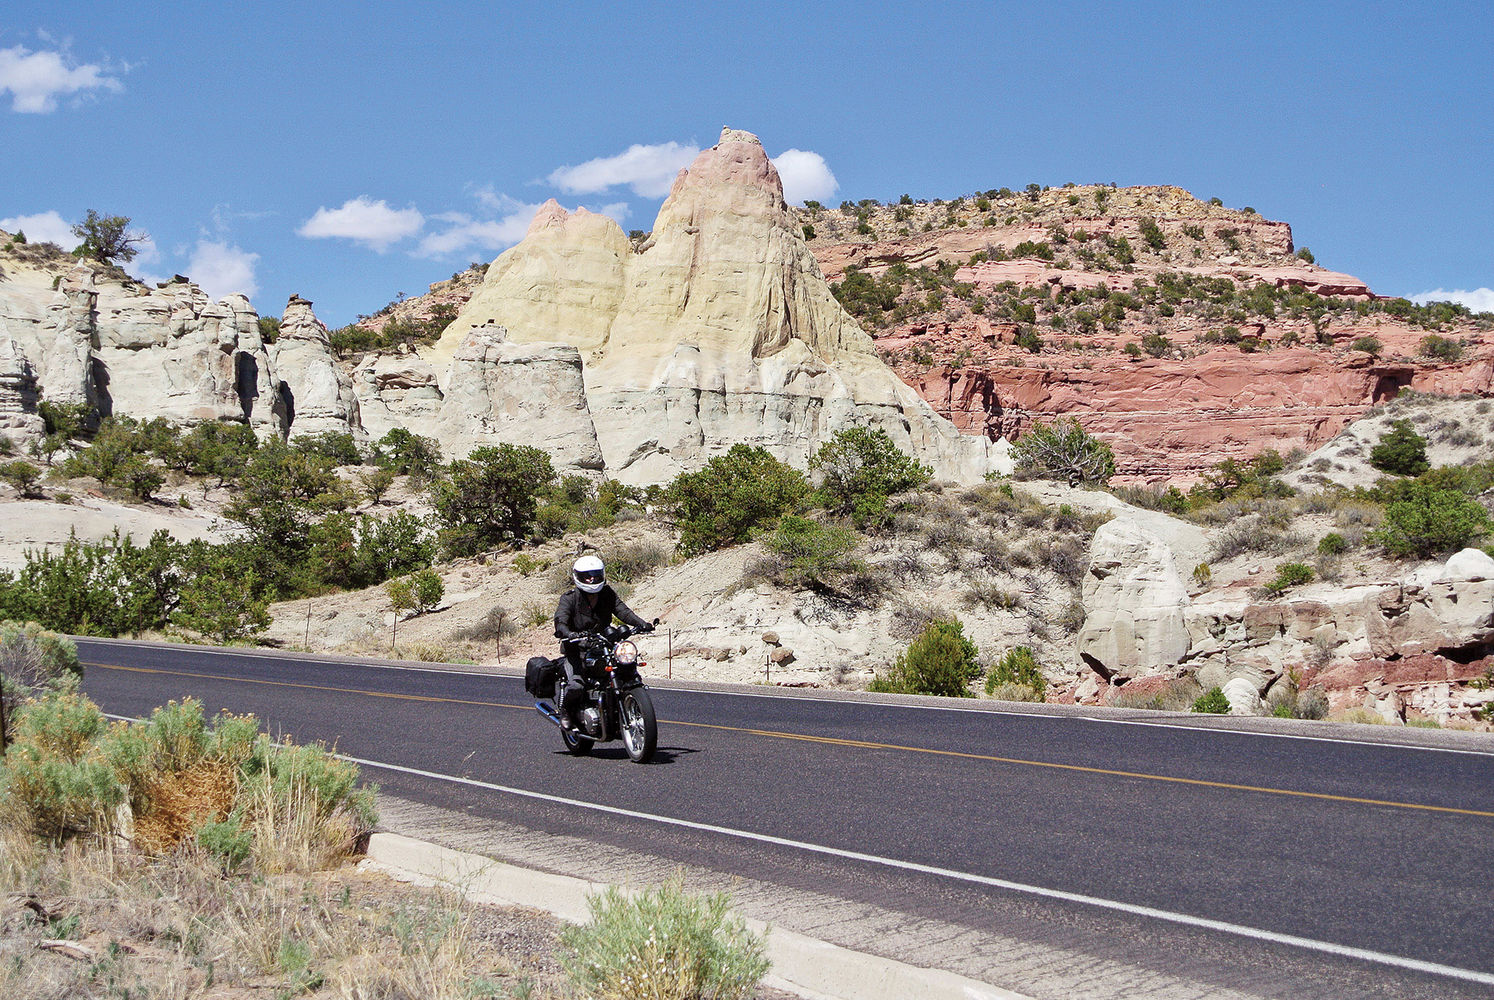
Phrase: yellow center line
(859, 744)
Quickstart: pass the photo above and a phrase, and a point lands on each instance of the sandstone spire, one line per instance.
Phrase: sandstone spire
(720, 329)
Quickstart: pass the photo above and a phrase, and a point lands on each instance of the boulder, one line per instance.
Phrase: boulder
(1469, 566)
(1243, 696)
(1134, 603)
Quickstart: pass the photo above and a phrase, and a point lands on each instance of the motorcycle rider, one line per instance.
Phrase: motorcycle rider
(588, 607)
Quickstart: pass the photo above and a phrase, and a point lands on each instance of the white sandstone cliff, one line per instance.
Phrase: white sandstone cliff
(719, 330)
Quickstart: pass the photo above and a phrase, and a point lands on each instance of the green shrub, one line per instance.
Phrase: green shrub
(859, 468)
(1289, 575)
(807, 554)
(490, 497)
(1401, 451)
(54, 783)
(1017, 668)
(1369, 345)
(1332, 544)
(1152, 233)
(223, 784)
(1212, 702)
(735, 495)
(1028, 340)
(1062, 450)
(1440, 348)
(33, 659)
(339, 448)
(1156, 345)
(1425, 521)
(664, 944)
(22, 475)
(408, 454)
(941, 661)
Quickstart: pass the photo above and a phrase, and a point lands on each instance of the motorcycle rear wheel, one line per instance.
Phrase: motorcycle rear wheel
(575, 741)
(640, 729)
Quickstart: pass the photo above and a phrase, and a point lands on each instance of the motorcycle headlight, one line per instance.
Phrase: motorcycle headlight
(625, 654)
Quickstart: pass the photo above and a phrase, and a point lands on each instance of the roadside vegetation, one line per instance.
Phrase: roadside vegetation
(191, 857)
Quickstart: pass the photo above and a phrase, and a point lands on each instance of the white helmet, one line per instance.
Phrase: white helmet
(588, 574)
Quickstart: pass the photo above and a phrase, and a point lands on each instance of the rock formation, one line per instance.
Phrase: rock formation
(502, 392)
(1036, 300)
(318, 395)
(719, 330)
(67, 376)
(1134, 603)
(1415, 646)
(99, 339)
(19, 420)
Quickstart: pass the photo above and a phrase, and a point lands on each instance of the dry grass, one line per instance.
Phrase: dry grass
(175, 928)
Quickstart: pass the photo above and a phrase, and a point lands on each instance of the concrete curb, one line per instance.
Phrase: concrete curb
(816, 970)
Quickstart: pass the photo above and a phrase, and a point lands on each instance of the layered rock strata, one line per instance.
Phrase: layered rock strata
(720, 330)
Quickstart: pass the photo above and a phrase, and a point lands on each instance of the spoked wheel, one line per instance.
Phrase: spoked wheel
(575, 741)
(640, 730)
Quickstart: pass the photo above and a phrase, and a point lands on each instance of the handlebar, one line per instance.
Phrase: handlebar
(585, 639)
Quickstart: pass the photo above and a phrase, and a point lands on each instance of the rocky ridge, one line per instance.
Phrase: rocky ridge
(1179, 331)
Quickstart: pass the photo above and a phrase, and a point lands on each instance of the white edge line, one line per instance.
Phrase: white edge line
(264, 654)
(1239, 930)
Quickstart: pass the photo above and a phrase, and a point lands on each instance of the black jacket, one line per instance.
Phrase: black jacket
(575, 614)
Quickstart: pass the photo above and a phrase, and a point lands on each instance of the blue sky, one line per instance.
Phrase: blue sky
(349, 152)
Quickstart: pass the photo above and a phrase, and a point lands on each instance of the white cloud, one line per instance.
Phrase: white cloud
(618, 210)
(36, 79)
(805, 176)
(363, 220)
(464, 233)
(222, 269)
(1479, 300)
(44, 227)
(648, 170)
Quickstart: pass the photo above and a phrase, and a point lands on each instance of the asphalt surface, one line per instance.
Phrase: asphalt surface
(968, 819)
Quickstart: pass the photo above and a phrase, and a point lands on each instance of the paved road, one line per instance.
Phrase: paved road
(1237, 861)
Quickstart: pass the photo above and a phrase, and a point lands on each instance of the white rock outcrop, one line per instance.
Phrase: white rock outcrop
(720, 329)
(1135, 603)
(95, 338)
(19, 420)
(502, 392)
(318, 395)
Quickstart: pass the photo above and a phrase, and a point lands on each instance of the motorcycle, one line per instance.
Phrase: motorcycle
(616, 703)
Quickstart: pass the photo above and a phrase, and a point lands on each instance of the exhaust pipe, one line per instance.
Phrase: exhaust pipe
(548, 711)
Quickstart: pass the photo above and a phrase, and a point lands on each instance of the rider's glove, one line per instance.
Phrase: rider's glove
(645, 628)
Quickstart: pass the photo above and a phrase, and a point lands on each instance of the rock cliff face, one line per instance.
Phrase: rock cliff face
(719, 330)
(89, 335)
(501, 392)
(1180, 332)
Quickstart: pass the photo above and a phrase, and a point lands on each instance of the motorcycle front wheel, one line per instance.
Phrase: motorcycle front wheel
(640, 730)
